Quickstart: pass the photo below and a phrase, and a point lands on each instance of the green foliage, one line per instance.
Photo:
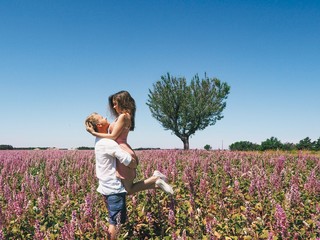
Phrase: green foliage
(244, 146)
(85, 148)
(207, 147)
(5, 147)
(317, 145)
(305, 144)
(185, 109)
(271, 144)
(288, 146)
(274, 144)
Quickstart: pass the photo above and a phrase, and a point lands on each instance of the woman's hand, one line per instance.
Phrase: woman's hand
(89, 128)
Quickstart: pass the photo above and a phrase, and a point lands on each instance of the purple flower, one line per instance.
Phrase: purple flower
(280, 164)
(88, 206)
(209, 224)
(37, 231)
(171, 217)
(312, 184)
(236, 185)
(293, 195)
(149, 217)
(281, 221)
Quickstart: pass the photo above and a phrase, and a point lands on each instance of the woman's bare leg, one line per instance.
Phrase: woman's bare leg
(142, 185)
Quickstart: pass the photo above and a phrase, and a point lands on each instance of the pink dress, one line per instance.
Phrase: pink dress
(123, 171)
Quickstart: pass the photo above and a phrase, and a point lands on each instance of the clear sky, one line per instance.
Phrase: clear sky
(61, 59)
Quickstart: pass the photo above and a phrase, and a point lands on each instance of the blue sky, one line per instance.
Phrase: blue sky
(60, 60)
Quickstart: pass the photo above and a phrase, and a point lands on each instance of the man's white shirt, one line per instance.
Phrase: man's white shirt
(106, 152)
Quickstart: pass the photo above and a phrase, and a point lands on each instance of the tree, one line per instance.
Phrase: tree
(288, 146)
(244, 146)
(185, 109)
(207, 147)
(5, 147)
(271, 144)
(317, 145)
(85, 148)
(305, 144)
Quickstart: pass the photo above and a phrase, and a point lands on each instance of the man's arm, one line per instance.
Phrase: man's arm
(133, 163)
(124, 157)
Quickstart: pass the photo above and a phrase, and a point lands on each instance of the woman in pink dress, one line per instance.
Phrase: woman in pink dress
(123, 106)
(123, 171)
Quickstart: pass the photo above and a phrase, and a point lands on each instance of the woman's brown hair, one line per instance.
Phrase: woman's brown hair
(126, 103)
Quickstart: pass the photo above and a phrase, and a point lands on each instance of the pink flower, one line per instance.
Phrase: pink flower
(37, 231)
(281, 221)
(88, 206)
(171, 217)
(312, 184)
(293, 195)
(236, 185)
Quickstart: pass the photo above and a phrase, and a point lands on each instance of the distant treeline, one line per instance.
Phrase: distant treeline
(6, 147)
(10, 147)
(85, 148)
(275, 144)
(272, 143)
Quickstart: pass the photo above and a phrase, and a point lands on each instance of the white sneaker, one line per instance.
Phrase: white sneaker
(157, 173)
(164, 186)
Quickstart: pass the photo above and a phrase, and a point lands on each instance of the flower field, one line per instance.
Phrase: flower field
(51, 194)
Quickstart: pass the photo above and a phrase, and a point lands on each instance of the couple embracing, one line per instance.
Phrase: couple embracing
(116, 161)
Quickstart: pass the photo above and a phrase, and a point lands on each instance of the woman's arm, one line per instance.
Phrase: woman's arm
(122, 122)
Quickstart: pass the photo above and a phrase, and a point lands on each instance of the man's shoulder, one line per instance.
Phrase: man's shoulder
(103, 141)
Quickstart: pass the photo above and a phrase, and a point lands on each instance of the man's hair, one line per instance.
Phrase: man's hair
(92, 119)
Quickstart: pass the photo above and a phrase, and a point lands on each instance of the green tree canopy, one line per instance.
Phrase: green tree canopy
(272, 143)
(5, 147)
(317, 145)
(185, 109)
(207, 147)
(244, 146)
(305, 144)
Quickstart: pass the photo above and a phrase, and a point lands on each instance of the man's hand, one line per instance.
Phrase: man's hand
(134, 162)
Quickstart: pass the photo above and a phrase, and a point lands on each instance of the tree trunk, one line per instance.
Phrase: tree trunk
(185, 141)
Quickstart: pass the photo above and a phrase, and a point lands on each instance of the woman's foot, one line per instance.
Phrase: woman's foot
(157, 173)
(164, 186)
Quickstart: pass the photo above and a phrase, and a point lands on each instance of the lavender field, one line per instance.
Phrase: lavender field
(51, 194)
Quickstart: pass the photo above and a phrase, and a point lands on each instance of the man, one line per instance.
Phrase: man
(106, 152)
